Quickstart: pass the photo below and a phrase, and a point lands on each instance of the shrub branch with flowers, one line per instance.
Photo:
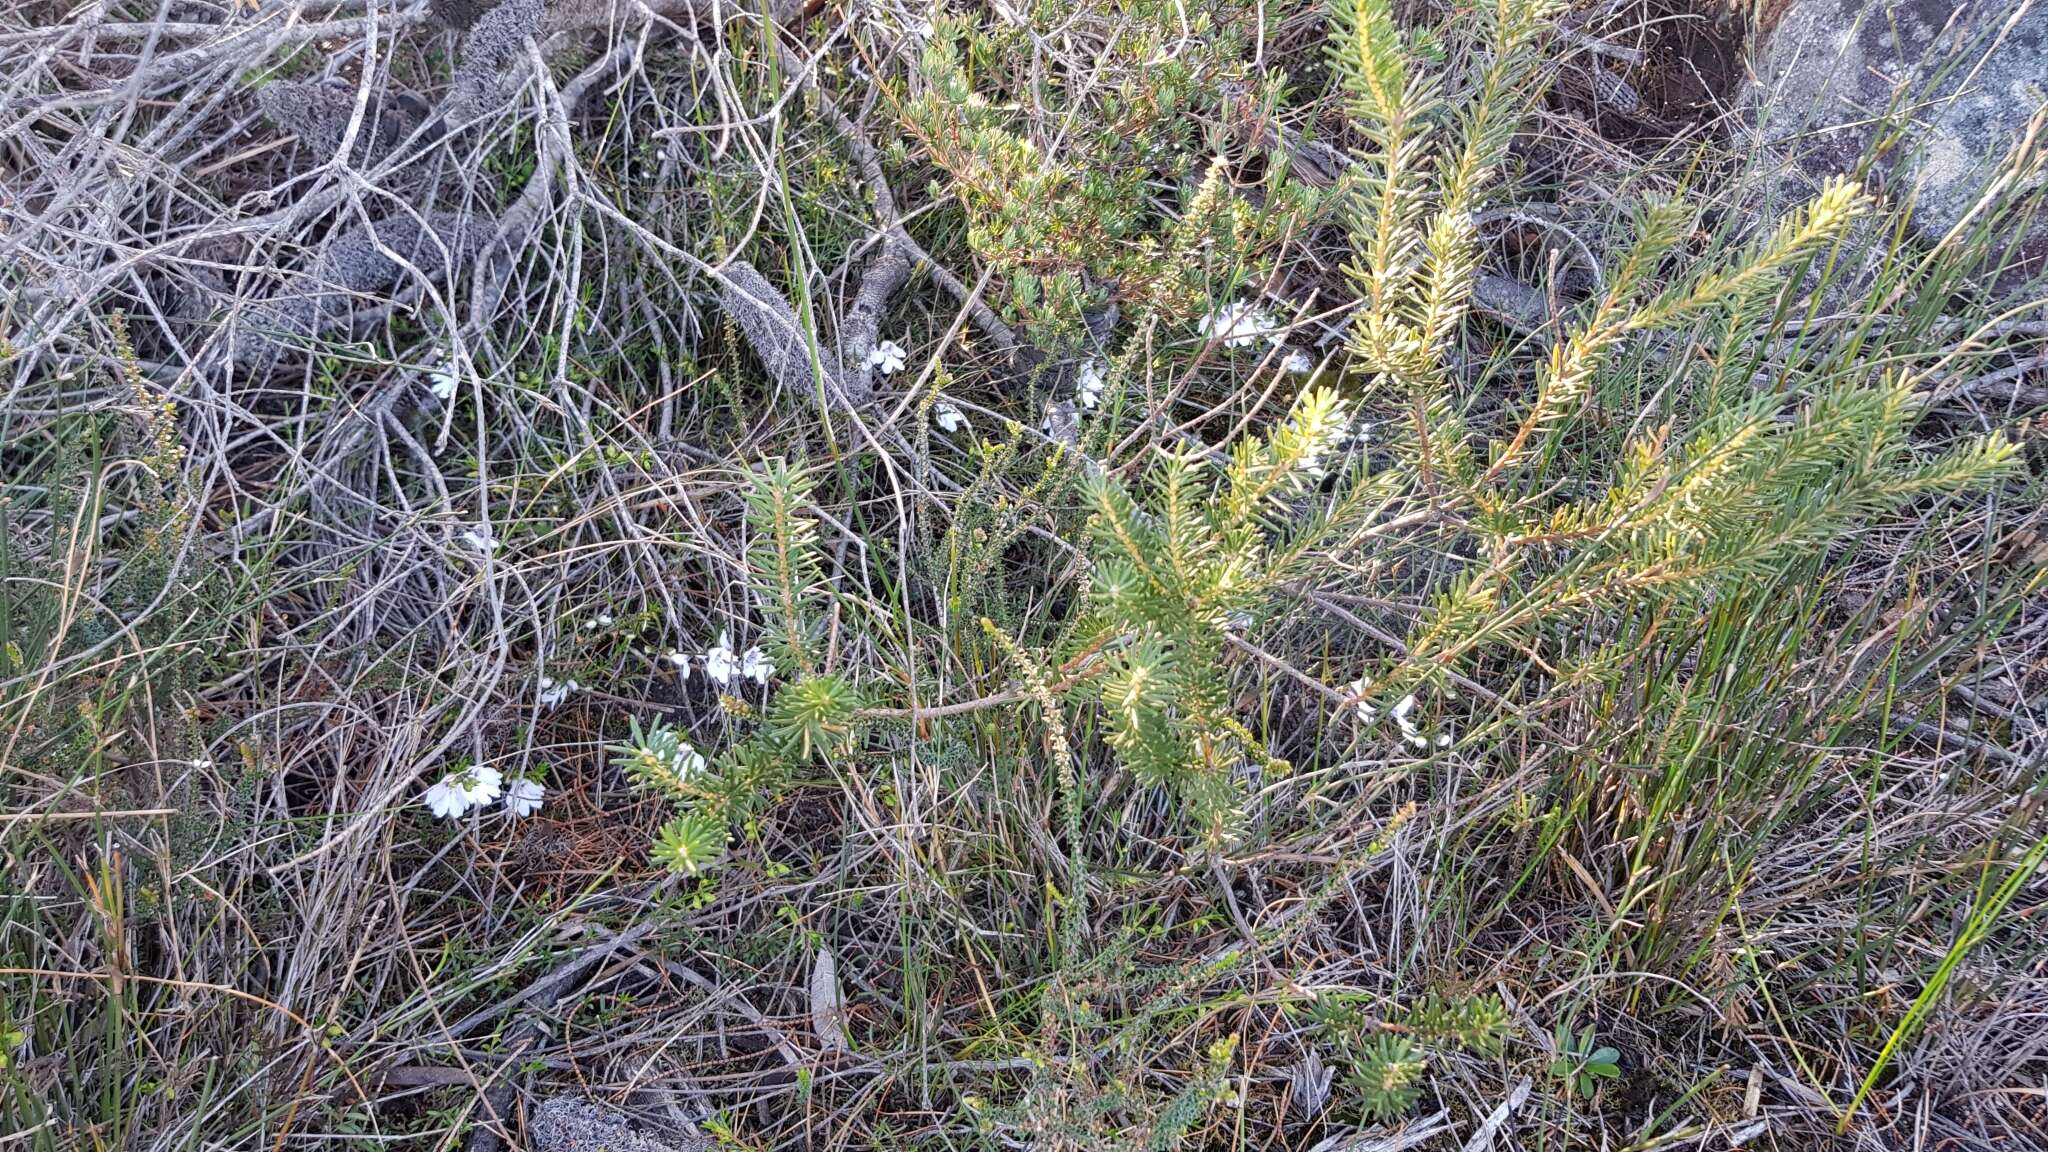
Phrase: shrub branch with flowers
(1191, 553)
(1494, 498)
(999, 577)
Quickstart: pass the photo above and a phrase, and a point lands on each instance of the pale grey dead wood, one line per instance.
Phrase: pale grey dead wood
(828, 1003)
(568, 1124)
(1489, 1128)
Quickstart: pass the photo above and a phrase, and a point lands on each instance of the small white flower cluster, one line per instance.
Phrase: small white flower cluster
(1357, 435)
(948, 417)
(1238, 324)
(722, 664)
(523, 797)
(1402, 713)
(553, 692)
(601, 620)
(683, 760)
(1311, 467)
(888, 358)
(456, 793)
(1089, 383)
(1347, 437)
(441, 381)
(1242, 322)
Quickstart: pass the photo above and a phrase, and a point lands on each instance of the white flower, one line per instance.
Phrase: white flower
(721, 663)
(1366, 712)
(1088, 385)
(1297, 363)
(553, 692)
(948, 417)
(686, 762)
(601, 620)
(441, 381)
(756, 665)
(682, 662)
(1410, 731)
(202, 765)
(888, 357)
(1359, 434)
(523, 797)
(479, 539)
(458, 792)
(1402, 709)
(1239, 324)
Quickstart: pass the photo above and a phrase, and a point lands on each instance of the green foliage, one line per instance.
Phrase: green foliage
(811, 717)
(1420, 186)
(11, 1037)
(689, 843)
(1059, 678)
(101, 604)
(1065, 220)
(1685, 508)
(1174, 574)
(1477, 1024)
(1386, 1077)
(1580, 1063)
(1983, 919)
(783, 559)
(1386, 1061)
(658, 760)
(1194, 1100)
(808, 717)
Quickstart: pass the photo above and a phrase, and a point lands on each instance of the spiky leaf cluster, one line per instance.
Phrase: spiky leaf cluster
(783, 559)
(1474, 1023)
(1179, 563)
(813, 716)
(1687, 507)
(1386, 1077)
(657, 759)
(690, 843)
(1427, 173)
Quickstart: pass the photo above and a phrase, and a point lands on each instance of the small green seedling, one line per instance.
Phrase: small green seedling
(1580, 1064)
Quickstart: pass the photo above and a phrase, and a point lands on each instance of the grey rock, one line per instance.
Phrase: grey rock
(1829, 70)
(567, 1124)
